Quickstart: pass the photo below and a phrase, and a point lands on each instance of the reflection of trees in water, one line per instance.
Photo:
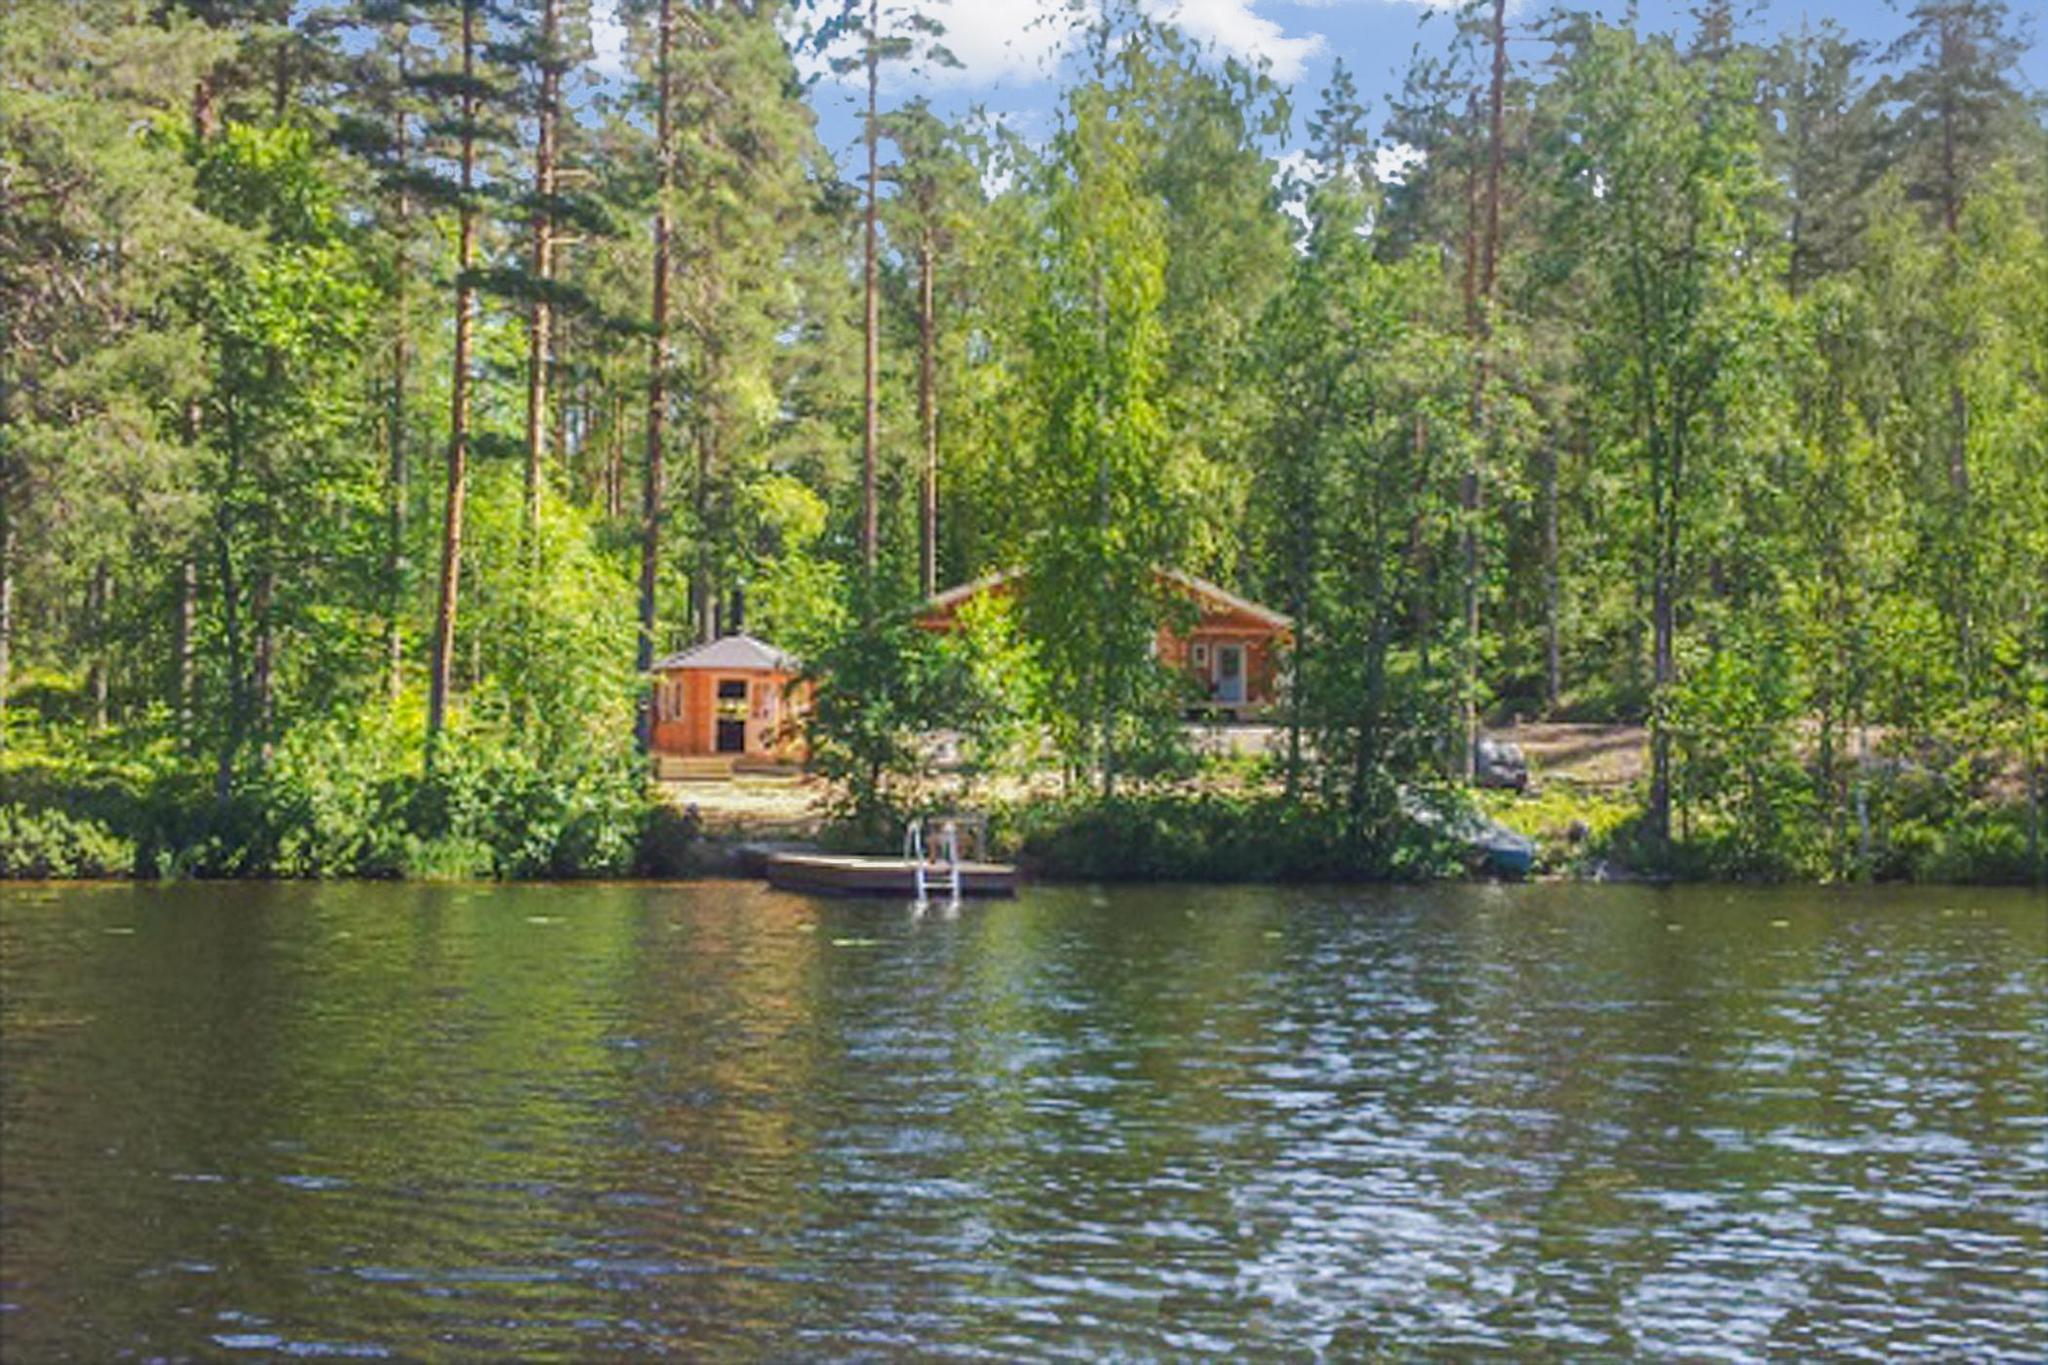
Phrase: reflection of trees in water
(718, 1120)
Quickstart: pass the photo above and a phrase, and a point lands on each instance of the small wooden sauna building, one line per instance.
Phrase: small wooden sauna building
(736, 697)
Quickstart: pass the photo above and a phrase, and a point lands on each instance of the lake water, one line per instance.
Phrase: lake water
(1551, 1122)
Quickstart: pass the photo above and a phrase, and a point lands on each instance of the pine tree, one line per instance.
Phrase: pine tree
(898, 31)
(469, 90)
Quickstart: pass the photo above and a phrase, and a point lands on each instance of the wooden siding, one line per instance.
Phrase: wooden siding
(1216, 622)
(686, 713)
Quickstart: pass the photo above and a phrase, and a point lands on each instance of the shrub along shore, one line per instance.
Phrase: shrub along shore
(490, 815)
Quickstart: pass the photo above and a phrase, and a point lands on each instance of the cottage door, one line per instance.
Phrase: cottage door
(732, 716)
(1230, 674)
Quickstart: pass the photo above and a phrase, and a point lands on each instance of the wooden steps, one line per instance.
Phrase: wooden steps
(722, 768)
(676, 768)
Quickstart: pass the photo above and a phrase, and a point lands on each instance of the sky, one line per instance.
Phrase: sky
(1010, 49)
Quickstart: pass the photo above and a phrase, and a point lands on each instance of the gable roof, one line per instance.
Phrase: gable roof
(1201, 587)
(737, 653)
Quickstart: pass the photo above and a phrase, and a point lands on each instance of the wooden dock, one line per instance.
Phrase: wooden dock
(850, 875)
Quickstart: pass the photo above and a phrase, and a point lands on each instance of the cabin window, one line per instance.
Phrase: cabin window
(732, 689)
(1201, 656)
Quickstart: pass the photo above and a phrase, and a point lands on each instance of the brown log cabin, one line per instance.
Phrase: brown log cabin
(1232, 650)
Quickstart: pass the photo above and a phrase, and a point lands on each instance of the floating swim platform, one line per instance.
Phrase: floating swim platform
(853, 875)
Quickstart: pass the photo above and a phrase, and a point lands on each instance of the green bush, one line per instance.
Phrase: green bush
(671, 842)
(52, 844)
(343, 798)
(1205, 836)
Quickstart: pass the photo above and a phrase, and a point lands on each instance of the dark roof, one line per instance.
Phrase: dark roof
(733, 653)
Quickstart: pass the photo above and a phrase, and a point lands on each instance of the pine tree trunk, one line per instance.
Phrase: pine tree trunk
(870, 524)
(1424, 616)
(458, 440)
(181, 645)
(1958, 403)
(928, 415)
(1481, 304)
(1667, 461)
(397, 490)
(6, 585)
(236, 717)
(703, 591)
(262, 613)
(652, 493)
(615, 460)
(1662, 673)
(96, 619)
(539, 320)
(1553, 655)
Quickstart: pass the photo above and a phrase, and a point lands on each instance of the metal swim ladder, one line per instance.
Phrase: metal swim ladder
(922, 865)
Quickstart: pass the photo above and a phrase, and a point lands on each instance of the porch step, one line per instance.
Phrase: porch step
(677, 768)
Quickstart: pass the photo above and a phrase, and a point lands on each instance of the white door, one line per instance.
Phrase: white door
(1230, 674)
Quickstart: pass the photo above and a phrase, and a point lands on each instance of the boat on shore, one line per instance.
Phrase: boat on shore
(1490, 847)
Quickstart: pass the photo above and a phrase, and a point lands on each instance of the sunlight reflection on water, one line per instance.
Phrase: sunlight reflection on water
(369, 1121)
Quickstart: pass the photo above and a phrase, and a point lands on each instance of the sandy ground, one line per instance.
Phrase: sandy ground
(791, 807)
(1586, 755)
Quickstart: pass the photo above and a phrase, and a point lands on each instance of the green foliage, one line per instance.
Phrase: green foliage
(50, 844)
(877, 689)
(996, 689)
(1105, 521)
(1212, 836)
(1733, 720)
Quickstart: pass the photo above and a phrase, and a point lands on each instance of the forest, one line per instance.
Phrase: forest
(387, 383)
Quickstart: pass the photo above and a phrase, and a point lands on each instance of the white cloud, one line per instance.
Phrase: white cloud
(1024, 40)
(608, 36)
(994, 40)
(1412, 4)
(1232, 26)
(1391, 163)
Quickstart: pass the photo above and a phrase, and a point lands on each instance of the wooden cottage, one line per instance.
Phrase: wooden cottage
(1231, 651)
(735, 697)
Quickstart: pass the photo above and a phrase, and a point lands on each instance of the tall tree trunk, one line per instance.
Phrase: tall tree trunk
(1481, 305)
(657, 385)
(263, 686)
(561, 342)
(615, 459)
(96, 599)
(1963, 570)
(6, 578)
(236, 718)
(1663, 610)
(458, 439)
(1667, 462)
(1553, 654)
(397, 488)
(539, 321)
(928, 414)
(1424, 615)
(181, 646)
(703, 588)
(870, 524)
